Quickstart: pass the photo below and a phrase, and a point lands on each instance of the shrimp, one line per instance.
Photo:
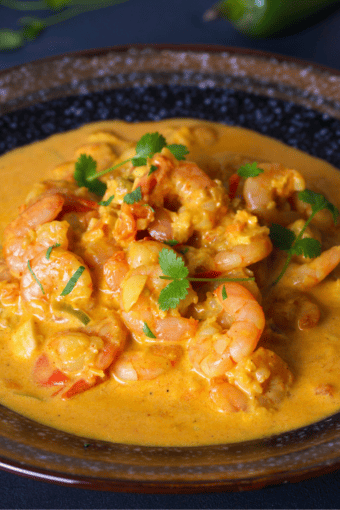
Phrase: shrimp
(148, 364)
(289, 308)
(214, 351)
(79, 359)
(243, 255)
(20, 242)
(187, 195)
(249, 319)
(265, 193)
(226, 397)
(263, 377)
(307, 275)
(131, 219)
(53, 274)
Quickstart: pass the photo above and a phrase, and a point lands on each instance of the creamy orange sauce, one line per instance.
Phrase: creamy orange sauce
(160, 412)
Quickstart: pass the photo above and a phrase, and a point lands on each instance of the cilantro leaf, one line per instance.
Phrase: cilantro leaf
(318, 202)
(178, 150)
(171, 264)
(138, 161)
(85, 168)
(172, 294)
(134, 196)
(224, 293)
(147, 331)
(308, 247)
(149, 144)
(281, 237)
(249, 170)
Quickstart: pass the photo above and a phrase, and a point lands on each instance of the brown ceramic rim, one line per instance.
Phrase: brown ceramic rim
(112, 472)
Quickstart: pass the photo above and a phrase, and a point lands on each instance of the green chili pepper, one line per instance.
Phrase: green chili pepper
(266, 18)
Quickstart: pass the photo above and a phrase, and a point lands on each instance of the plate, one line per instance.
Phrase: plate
(297, 103)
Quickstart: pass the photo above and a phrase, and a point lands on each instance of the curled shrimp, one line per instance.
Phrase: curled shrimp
(148, 364)
(53, 274)
(185, 195)
(266, 193)
(305, 276)
(77, 360)
(263, 377)
(243, 255)
(214, 351)
(226, 397)
(292, 309)
(20, 241)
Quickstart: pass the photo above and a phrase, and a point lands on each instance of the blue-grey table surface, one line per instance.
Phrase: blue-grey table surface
(175, 22)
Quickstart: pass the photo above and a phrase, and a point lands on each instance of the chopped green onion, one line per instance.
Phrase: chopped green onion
(48, 253)
(34, 276)
(72, 281)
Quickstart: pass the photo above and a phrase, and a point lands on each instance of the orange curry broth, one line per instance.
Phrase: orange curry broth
(158, 412)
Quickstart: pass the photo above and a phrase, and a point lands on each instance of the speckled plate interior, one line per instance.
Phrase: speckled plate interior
(293, 101)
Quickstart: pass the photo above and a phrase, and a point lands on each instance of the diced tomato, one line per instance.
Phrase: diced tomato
(78, 387)
(45, 375)
(234, 181)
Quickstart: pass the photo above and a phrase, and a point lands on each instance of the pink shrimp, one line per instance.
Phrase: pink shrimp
(212, 352)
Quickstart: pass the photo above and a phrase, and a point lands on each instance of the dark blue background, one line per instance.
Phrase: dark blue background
(168, 21)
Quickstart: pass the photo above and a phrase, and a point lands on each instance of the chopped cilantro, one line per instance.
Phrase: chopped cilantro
(134, 196)
(171, 242)
(147, 331)
(107, 202)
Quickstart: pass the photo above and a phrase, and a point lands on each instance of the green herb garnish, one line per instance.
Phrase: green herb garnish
(224, 293)
(79, 314)
(134, 196)
(35, 277)
(49, 250)
(85, 175)
(147, 331)
(107, 202)
(249, 170)
(146, 147)
(286, 240)
(72, 281)
(178, 150)
(171, 242)
(174, 269)
(153, 169)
